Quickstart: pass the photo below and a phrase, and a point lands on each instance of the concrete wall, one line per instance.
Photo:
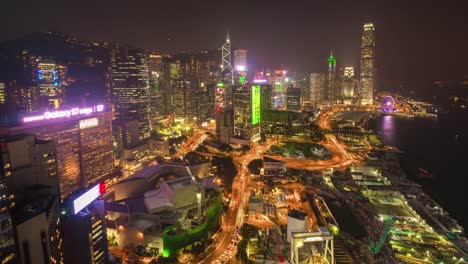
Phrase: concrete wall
(29, 232)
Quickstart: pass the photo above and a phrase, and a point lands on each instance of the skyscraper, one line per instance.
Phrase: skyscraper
(367, 64)
(240, 61)
(156, 93)
(278, 80)
(331, 91)
(7, 246)
(317, 85)
(32, 163)
(293, 98)
(227, 72)
(348, 83)
(50, 77)
(130, 87)
(83, 137)
(246, 102)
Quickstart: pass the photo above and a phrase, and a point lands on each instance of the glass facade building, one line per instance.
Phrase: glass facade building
(367, 64)
(84, 146)
(130, 87)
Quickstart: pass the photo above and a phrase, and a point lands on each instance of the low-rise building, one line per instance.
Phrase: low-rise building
(272, 167)
(255, 204)
(297, 222)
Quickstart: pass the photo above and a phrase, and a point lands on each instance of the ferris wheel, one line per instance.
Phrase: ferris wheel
(388, 104)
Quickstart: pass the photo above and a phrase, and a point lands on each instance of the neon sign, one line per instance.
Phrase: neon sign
(255, 104)
(88, 197)
(64, 113)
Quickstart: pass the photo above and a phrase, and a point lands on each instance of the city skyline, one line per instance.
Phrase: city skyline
(301, 41)
(230, 132)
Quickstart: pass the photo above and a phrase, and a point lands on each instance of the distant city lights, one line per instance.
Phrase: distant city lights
(240, 68)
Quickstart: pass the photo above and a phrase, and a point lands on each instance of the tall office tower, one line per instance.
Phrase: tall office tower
(4, 113)
(317, 87)
(202, 107)
(33, 188)
(7, 243)
(331, 91)
(83, 138)
(240, 65)
(348, 83)
(227, 72)
(246, 102)
(156, 96)
(25, 86)
(278, 79)
(293, 98)
(31, 162)
(51, 78)
(83, 227)
(348, 72)
(130, 94)
(223, 111)
(156, 93)
(223, 97)
(367, 64)
(125, 135)
(182, 100)
(265, 96)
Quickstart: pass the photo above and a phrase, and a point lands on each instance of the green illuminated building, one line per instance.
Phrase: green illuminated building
(247, 107)
(331, 63)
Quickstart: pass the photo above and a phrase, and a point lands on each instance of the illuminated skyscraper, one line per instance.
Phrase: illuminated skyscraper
(247, 108)
(349, 72)
(240, 61)
(278, 80)
(130, 87)
(7, 245)
(156, 93)
(31, 163)
(293, 99)
(367, 64)
(182, 99)
(317, 87)
(331, 91)
(348, 83)
(51, 79)
(83, 140)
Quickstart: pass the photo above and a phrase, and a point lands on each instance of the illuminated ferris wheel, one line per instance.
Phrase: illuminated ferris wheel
(388, 104)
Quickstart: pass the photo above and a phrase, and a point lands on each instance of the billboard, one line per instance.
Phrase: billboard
(62, 114)
(88, 197)
(255, 104)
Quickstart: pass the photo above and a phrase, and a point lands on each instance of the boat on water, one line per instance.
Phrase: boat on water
(424, 174)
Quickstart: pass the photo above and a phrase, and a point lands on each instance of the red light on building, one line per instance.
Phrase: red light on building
(102, 187)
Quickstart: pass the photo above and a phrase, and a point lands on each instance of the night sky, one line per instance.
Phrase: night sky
(417, 42)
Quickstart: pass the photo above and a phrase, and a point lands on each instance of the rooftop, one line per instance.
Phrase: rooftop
(180, 182)
(297, 215)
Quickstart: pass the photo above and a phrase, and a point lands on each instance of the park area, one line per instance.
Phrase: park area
(290, 149)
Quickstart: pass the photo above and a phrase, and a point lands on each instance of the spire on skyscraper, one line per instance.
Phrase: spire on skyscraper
(331, 63)
(226, 66)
